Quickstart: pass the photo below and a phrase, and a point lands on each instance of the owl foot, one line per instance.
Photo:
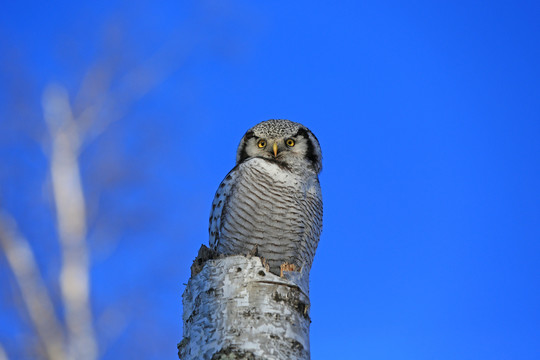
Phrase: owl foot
(265, 264)
(286, 267)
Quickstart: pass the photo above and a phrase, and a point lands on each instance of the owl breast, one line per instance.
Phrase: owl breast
(260, 203)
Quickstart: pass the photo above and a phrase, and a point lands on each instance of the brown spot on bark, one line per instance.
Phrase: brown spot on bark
(205, 254)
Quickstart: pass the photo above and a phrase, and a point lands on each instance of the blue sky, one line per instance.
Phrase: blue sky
(428, 114)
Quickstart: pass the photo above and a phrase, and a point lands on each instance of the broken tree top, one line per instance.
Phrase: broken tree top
(233, 306)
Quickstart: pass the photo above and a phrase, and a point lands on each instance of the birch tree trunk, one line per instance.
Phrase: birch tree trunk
(234, 308)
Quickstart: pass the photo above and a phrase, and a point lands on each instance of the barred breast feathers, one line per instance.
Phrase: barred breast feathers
(258, 203)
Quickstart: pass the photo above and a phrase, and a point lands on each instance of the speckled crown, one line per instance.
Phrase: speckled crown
(276, 128)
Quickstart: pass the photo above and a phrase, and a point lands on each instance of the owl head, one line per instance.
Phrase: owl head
(281, 141)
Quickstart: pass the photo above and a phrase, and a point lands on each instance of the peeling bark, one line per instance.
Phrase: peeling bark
(235, 309)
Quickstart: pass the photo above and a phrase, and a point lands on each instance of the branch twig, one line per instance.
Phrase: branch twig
(34, 293)
(3, 355)
(71, 218)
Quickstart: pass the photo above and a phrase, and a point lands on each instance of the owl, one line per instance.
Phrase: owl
(271, 198)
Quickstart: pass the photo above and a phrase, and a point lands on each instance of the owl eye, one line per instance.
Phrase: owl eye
(261, 143)
(289, 142)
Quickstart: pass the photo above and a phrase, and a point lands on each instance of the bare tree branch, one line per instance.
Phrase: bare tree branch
(107, 105)
(3, 355)
(34, 293)
(71, 218)
(109, 90)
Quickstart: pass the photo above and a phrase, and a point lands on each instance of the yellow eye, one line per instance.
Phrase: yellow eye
(289, 142)
(261, 143)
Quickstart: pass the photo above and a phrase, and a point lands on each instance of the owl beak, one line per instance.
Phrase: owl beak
(275, 149)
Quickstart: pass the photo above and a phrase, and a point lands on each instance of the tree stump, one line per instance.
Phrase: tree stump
(234, 308)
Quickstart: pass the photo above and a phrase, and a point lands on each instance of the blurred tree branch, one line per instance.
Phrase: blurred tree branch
(72, 118)
(34, 292)
(71, 219)
(98, 105)
(3, 355)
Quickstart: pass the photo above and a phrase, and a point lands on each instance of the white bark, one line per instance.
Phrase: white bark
(235, 309)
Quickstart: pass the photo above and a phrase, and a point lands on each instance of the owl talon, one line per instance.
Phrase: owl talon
(265, 264)
(286, 267)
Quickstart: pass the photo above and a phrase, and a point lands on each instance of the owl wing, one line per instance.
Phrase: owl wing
(312, 220)
(220, 199)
